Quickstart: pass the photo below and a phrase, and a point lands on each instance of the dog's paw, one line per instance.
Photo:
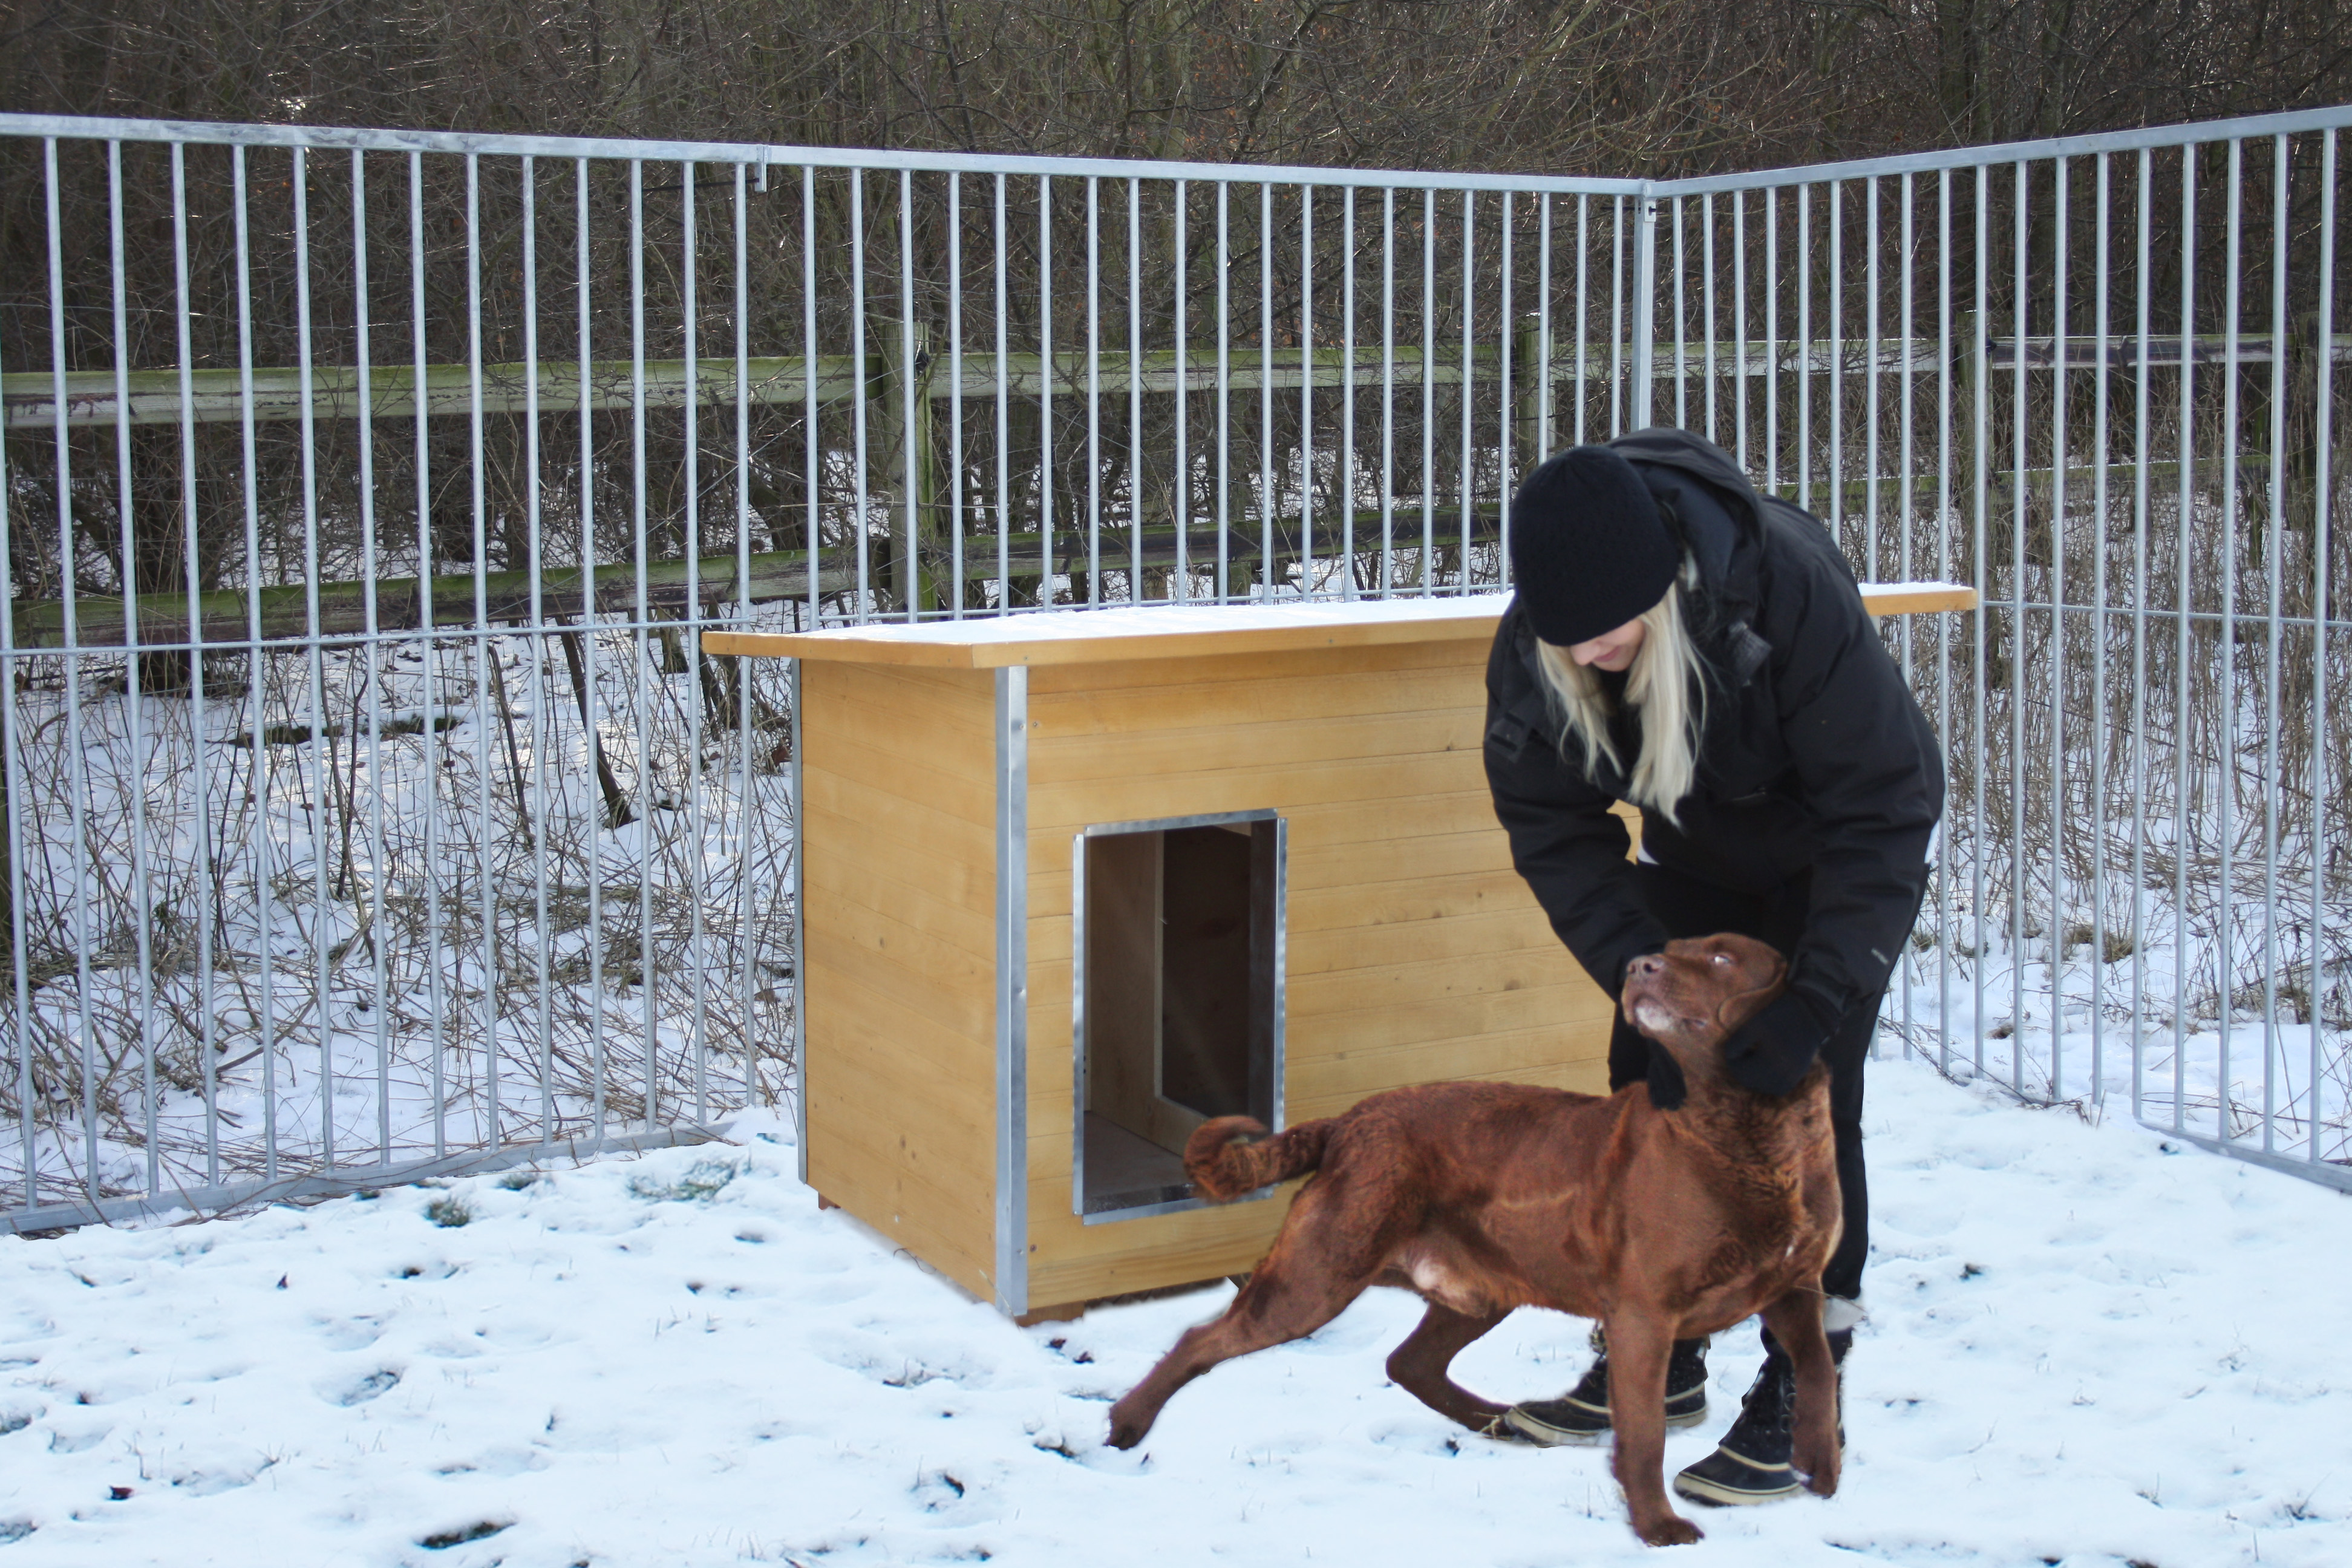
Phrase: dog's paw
(1820, 1464)
(1672, 1531)
(1126, 1429)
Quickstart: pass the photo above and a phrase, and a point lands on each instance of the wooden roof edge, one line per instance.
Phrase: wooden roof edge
(1879, 599)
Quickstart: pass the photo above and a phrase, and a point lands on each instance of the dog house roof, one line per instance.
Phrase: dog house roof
(1184, 631)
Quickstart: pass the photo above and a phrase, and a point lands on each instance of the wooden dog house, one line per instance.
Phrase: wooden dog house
(1071, 883)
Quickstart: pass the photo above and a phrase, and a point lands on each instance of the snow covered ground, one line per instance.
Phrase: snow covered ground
(2084, 1348)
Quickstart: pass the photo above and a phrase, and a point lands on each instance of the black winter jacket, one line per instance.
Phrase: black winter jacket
(1814, 757)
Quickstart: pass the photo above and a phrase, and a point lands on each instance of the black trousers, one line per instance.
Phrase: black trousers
(1686, 906)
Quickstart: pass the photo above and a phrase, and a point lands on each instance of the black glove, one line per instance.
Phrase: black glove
(1770, 1054)
(1667, 1089)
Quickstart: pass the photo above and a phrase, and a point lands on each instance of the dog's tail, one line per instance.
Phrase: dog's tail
(1232, 1155)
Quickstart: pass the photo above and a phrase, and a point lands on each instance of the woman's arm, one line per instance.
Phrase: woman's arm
(1869, 775)
(1565, 840)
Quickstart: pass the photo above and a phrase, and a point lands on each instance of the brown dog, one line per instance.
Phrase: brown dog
(1486, 1196)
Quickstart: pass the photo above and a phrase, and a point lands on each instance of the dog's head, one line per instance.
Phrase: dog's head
(1691, 997)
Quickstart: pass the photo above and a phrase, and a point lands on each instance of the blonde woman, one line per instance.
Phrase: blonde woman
(1680, 642)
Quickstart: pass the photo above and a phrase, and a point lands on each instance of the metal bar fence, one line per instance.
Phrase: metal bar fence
(339, 847)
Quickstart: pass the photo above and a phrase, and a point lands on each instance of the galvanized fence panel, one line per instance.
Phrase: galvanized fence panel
(371, 806)
(2094, 379)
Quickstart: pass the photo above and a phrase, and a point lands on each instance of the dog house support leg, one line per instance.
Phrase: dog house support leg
(1012, 989)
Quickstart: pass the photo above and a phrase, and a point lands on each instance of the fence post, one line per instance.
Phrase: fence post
(893, 450)
(1645, 281)
(1968, 376)
(1531, 433)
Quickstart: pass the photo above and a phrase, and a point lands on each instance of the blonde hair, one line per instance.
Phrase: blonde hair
(1667, 681)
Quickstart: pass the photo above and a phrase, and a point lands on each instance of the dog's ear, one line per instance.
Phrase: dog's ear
(1741, 1005)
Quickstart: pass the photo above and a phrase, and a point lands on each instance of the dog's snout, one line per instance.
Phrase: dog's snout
(1648, 963)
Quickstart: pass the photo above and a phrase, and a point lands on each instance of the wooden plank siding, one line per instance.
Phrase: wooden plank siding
(1414, 952)
(899, 877)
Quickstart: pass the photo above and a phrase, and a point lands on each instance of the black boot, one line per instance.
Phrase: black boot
(1582, 1415)
(1751, 1463)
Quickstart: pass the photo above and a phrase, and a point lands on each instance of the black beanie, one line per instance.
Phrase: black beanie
(1589, 551)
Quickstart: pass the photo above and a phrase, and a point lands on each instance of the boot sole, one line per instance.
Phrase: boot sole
(1716, 1494)
(1550, 1436)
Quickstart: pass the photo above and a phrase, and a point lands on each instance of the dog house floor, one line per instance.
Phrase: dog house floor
(1125, 1171)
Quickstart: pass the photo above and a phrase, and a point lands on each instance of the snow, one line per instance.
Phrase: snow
(2084, 1348)
(1166, 619)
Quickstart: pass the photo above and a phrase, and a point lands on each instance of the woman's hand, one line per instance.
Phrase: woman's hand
(1772, 1051)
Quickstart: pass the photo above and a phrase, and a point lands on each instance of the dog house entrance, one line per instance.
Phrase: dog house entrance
(1178, 935)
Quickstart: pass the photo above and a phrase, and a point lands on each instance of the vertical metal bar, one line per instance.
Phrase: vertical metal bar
(1469, 377)
(1944, 622)
(364, 376)
(1583, 301)
(2059, 923)
(1094, 392)
(1307, 391)
(78, 808)
(1266, 495)
(1869, 379)
(264, 884)
(591, 717)
(141, 896)
(1183, 489)
(199, 783)
(1388, 390)
(795, 675)
(1004, 412)
(484, 653)
(1870, 473)
(1645, 289)
(1224, 391)
(1706, 269)
(2225, 784)
(12, 769)
(1046, 374)
(1429, 394)
(812, 458)
(860, 374)
(534, 505)
(2143, 605)
(1771, 340)
(2100, 393)
(955, 397)
(698, 856)
(1980, 372)
(640, 644)
(911, 427)
(1833, 296)
(2323, 481)
(2021, 301)
(427, 559)
(2183, 610)
(1505, 400)
(1740, 362)
(1617, 317)
(1682, 365)
(1011, 989)
(314, 659)
(1804, 266)
(2273, 719)
(1346, 455)
(1135, 390)
(1544, 372)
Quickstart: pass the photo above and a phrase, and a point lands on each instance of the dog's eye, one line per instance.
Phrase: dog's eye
(1723, 958)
